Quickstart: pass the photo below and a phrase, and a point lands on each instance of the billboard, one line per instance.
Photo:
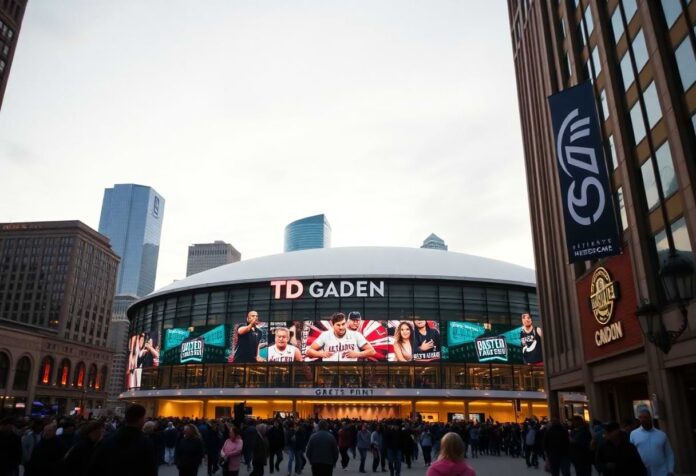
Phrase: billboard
(589, 215)
(196, 345)
(360, 340)
(143, 352)
(415, 340)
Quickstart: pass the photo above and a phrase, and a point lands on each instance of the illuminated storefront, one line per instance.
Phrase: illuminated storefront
(426, 331)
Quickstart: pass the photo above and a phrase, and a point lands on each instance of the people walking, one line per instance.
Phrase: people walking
(48, 453)
(276, 443)
(392, 444)
(10, 448)
(322, 451)
(653, 446)
(171, 435)
(556, 446)
(231, 452)
(451, 461)
(345, 442)
(363, 444)
(259, 450)
(189, 451)
(579, 449)
(616, 456)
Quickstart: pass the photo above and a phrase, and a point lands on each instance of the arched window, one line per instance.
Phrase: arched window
(46, 370)
(62, 379)
(22, 371)
(92, 376)
(79, 378)
(101, 381)
(4, 369)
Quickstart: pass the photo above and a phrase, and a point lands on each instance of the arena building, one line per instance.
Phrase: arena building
(425, 331)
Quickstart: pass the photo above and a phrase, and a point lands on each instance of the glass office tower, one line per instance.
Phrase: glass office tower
(307, 233)
(131, 218)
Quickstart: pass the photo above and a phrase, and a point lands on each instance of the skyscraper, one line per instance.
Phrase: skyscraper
(638, 58)
(307, 233)
(434, 242)
(131, 217)
(11, 15)
(204, 256)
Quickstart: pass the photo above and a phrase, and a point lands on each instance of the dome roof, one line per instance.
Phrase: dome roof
(359, 262)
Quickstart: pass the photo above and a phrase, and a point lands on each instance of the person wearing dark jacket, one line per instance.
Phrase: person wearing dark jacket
(48, 454)
(76, 460)
(10, 448)
(189, 451)
(213, 444)
(556, 447)
(392, 444)
(322, 451)
(171, 436)
(127, 451)
(259, 450)
(580, 452)
(276, 443)
(616, 456)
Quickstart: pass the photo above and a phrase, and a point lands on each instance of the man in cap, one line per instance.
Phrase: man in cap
(616, 455)
(354, 321)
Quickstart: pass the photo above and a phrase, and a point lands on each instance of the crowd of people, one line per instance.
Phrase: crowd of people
(138, 446)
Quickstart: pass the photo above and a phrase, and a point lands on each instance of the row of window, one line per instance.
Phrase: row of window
(80, 378)
(301, 375)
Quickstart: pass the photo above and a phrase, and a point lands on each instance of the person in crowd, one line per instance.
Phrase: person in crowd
(260, 450)
(48, 454)
(212, 440)
(653, 446)
(363, 445)
(579, 449)
(231, 452)
(322, 451)
(530, 435)
(426, 443)
(556, 448)
(403, 350)
(276, 443)
(451, 461)
(127, 451)
(248, 341)
(301, 439)
(344, 444)
(171, 436)
(29, 441)
(616, 456)
(474, 432)
(10, 448)
(406, 444)
(376, 447)
(190, 451)
(249, 435)
(393, 447)
(67, 433)
(76, 460)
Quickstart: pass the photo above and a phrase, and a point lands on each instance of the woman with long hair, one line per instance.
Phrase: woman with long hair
(189, 451)
(403, 350)
(451, 462)
(232, 452)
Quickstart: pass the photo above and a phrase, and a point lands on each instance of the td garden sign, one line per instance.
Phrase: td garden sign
(603, 296)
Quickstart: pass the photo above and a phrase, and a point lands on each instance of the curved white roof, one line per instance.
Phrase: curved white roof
(359, 262)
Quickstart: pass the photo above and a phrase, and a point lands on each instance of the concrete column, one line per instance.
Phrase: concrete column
(413, 409)
(466, 409)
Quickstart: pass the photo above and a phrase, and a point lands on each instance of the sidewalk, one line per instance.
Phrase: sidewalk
(484, 466)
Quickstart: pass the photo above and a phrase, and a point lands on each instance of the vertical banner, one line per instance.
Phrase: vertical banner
(590, 221)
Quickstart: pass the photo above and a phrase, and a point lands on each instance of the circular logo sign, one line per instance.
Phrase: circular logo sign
(602, 295)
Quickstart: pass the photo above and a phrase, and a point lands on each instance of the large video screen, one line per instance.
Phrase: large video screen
(143, 353)
(196, 345)
(351, 341)
(415, 340)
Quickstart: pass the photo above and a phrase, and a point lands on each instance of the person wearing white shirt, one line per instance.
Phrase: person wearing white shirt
(281, 351)
(340, 344)
(653, 446)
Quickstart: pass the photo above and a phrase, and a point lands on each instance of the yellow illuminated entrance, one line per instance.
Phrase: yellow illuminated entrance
(433, 410)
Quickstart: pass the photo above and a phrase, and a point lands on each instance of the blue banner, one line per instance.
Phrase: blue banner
(590, 221)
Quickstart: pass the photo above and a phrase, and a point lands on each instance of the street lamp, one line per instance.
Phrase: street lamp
(677, 278)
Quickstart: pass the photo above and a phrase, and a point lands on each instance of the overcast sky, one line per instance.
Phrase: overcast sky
(394, 118)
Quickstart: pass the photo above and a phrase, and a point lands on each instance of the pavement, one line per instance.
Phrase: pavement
(483, 465)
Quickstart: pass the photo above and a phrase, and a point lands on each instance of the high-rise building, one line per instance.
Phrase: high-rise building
(57, 283)
(204, 256)
(434, 242)
(307, 233)
(600, 350)
(131, 217)
(11, 15)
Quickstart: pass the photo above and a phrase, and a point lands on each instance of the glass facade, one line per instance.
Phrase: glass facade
(131, 217)
(460, 314)
(308, 233)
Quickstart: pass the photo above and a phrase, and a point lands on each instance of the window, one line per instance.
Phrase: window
(686, 63)
(596, 62)
(588, 21)
(680, 235)
(612, 151)
(665, 169)
(672, 10)
(79, 377)
(652, 105)
(4, 369)
(627, 71)
(637, 122)
(63, 373)
(617, 24)
(622, 208)
(640, 51)
(46, 371)
(604, 103)
(630, 9)
(652, 198)
(22, 371)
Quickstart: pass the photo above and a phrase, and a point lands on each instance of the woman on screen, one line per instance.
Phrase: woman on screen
(403, 351)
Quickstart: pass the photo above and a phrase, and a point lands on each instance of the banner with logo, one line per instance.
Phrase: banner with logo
(196, 345)
(590, 219)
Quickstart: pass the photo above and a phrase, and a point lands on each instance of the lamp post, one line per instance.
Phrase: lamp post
(677, 279)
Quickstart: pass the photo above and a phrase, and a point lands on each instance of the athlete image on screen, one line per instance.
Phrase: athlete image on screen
(354, 321)
(425, 341)
(248, 341)
(281, 351)
(530, 338)
(340, 344)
